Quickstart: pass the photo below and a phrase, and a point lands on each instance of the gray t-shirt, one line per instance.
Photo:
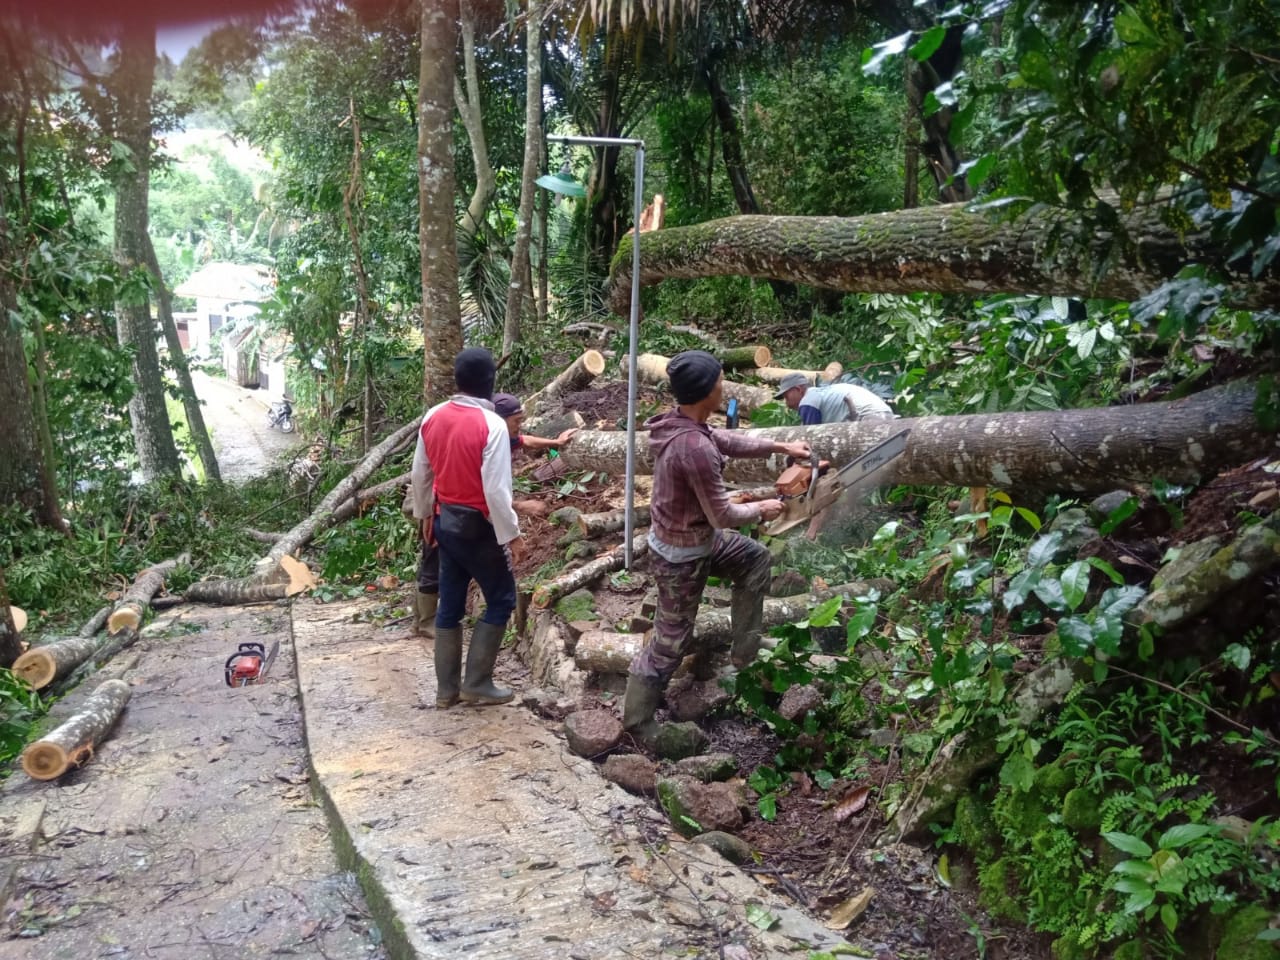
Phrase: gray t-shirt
(830, 402)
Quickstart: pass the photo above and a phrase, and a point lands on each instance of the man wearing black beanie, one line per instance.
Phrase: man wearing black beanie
(691, 534)
(461, 480)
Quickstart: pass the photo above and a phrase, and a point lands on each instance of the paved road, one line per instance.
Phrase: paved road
(237, 419)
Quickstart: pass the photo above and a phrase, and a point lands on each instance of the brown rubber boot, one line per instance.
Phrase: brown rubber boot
(746, 615)
(639, 704)
(478, 688)
(424, 615)
(448, 656)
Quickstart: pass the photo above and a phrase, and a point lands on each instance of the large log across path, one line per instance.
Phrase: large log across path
(72, 743)
(1078, 451)
(129, 611)
(942, 249)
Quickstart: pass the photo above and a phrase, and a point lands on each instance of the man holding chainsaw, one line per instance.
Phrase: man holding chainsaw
(691, 535)
(462, 493)
(832, 403)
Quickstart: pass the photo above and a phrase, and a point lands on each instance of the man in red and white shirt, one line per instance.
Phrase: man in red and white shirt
(462, 493)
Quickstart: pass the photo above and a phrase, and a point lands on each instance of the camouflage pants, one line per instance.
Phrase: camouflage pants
(740, 559)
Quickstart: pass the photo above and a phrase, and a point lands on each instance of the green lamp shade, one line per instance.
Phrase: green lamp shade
(561, 183)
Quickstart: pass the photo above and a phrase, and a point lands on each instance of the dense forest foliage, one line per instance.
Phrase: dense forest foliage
(1136, 815)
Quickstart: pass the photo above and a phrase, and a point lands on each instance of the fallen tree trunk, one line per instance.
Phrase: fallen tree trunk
(345, 511)
(548, 593)
(129, 611)
(944, 249)
(96, 622)
(42, 665)
(826, 375)
(72, 743)
(577, 376)
(736, 358)
(1079, 451)
(652, 368)
(605, 652)
(610, 521)
(279, 575)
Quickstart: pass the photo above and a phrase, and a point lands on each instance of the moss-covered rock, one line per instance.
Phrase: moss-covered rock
(583, 549)
(1052, 781)
(997, 882)
(1081, 811)
(975, 827)
(1066, 948)
(579, 605)
(1240, 935)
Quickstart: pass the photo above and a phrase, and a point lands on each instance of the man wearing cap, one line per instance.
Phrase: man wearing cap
(833, 403)
(510, 409)
(461, 481)
(691, 535)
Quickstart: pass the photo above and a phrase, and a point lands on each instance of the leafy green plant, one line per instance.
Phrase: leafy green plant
(20, 709)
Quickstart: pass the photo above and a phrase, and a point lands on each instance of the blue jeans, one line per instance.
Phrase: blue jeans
(463, 559)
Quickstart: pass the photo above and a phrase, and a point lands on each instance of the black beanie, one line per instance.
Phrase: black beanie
(693, 375)
(474, 372)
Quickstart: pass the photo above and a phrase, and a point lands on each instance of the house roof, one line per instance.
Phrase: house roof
(220, 280)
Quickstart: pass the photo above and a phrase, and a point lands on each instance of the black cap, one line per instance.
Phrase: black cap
(693, 375)
(474, 371)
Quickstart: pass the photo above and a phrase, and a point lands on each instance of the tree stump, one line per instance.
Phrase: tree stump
(72, 743)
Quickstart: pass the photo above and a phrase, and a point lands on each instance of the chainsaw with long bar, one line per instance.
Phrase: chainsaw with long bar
(808, 490)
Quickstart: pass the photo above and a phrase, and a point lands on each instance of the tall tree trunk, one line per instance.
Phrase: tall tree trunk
(441, 316)
(1076, 451)
(190, 402)
(910, 142)
(352, 198)
(544, 210)
(10, 646)
(517, 289)
(131, 83)
(942, 249)
(26, 474)
(468, 102)
(602, 193)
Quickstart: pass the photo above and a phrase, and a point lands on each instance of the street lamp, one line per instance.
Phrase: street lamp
(634, 343)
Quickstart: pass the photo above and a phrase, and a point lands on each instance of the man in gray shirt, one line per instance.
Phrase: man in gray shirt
(833, 403)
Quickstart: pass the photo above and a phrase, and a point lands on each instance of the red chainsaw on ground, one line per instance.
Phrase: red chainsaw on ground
(250, 663)
(808, 490)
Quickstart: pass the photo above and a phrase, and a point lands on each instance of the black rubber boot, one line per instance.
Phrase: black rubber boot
(746, 614)
(641, 701)
(448, 654)
(477, 687)
(424, 614)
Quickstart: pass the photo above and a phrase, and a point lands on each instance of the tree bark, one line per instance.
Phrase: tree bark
(131, 84)
(468, 103)
(190, 402)
(552, 590)
(826, 375)
(42, 665)
(652, 368)
(129, 611)
(605, 652)
(72, 743)
(441, 316)
(749, 357)
(576, 376)
(944, 249)
(518, 293)
(1076, 451)
(278, 574)
(26, 477)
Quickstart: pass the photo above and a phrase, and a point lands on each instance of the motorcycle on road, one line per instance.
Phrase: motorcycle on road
(280, 416)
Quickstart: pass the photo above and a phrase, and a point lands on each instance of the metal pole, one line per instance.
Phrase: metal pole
(629, 521)
(633, 347)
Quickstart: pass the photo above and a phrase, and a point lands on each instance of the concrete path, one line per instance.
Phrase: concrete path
(237, 421)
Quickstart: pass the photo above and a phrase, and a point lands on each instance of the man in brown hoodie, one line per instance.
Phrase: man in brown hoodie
(691, 535)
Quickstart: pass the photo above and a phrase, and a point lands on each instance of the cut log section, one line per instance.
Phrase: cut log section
(276, 577)
(610, 521)
(72, 744)
(577, 376)
(652, 368)
(604, 652)
(548, 593)
(19, 618)
(42, 665)
(737, 358)
(826, 375)
(129, 611)
(1077, 451)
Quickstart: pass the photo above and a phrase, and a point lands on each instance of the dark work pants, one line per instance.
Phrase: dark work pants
(463, 559)
(429, 568)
